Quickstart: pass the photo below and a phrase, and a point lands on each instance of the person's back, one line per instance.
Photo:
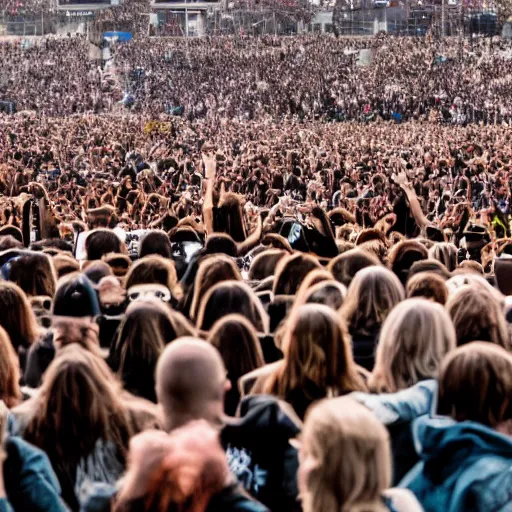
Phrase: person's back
(191, 384)
(466, 456)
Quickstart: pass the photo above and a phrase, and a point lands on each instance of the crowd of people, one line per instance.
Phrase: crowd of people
(274, 281)
(310, 77)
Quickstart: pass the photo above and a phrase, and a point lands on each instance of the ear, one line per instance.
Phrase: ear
(227, 385)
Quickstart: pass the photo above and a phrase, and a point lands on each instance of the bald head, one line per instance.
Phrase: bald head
(190, 382)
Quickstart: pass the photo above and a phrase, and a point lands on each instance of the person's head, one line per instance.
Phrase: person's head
(345, 266)
(191, 383)
(34, 274)
(17, 317)
(155, 242)
(231, 297)
(372, 294)
(264, 264)
(79, 403)
(478, 316)
(147, 327)
(403, 255)
(428, 286)
(432, 266)
(65, 264)
(316, 276)
(236, 340)
(475, 384)
(212, 270)
(317, 349)
(96, 270)
(187, 468)
(220, 243)
(330, 293)
(290, 272)
(471, 266)
(101, 242)
(414, 339)
(10, 391)
(75, 313)
(345, 458)
(153, 270)
(446, 253)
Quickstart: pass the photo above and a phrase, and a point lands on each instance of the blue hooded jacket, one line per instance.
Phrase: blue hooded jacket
(465, 467)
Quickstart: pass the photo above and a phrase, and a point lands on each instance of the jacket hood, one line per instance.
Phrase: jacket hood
(442, 441)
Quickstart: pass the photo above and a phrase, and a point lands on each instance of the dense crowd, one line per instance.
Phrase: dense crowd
(278, 78)
(273, 280)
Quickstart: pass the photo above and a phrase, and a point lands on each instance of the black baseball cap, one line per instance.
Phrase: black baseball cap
(76, 297)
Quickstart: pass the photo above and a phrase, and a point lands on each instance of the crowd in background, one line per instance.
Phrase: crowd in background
(250, 274)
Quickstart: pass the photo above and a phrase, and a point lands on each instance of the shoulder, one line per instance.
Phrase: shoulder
(254, 381)
(234, 499)
(402, 500)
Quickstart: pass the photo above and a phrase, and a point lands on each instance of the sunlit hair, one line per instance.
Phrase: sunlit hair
(446, 253)
(212, 270)
(34, 274)
(17, 317)
(348, 456)
(329, 293)
(145, 330)
(231, 297)
(79, 403)
(153, 269)
(317, 350)
(290, 272)
(264, 264)
(191, 472)
(414, 339)
(10, 391)
(428, 286)
(314, 277)
(372, 294)
(475, 384)
(345, 266)
(478, 316)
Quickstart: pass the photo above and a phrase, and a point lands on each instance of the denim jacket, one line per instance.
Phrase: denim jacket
(397, 411)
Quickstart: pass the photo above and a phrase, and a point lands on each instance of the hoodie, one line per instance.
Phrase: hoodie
(464, 467)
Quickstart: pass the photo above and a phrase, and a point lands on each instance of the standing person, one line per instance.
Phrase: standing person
(466, 456)
(345, 461)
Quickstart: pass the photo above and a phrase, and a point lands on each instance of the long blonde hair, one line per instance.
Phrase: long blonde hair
(349, 459)
(415, 337)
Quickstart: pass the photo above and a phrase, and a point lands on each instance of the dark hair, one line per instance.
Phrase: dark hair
(220, 243)
(429, 286)
(155, 242)
(145, 330)
(345, 266)
(431, 266)
(403, 255)
(236, 340)
(291, 271)
(34, 274)
(264, 264)
(101, 242)
(152, 270)
(231, 297)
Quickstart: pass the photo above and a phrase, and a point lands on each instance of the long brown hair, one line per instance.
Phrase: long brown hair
(317, 349)
(16, 316)
(10, 391)
(79, 403)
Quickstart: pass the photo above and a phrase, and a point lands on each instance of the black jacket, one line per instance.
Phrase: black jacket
(259, 452)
